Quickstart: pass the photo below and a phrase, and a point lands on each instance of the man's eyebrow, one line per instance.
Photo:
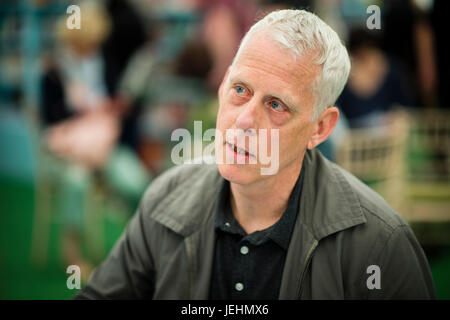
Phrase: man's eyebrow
(237, 78)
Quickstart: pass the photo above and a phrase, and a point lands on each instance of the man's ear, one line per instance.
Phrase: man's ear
(224, 80)
(324, 126)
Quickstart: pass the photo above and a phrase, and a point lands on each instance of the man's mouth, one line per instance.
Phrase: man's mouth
(238, 150)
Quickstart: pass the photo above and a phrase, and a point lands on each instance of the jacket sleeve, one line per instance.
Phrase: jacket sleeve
(128, 272)
(403, 268)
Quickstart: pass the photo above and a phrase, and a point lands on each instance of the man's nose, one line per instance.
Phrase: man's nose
(248, 115)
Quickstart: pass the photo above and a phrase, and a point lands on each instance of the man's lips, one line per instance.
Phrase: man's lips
(238, 150)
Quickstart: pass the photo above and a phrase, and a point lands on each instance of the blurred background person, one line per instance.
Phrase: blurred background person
(83, 118)
(408, 36)
(376, 83)
(225, 23)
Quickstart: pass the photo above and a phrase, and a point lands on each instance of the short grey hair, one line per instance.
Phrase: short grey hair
(302, 31)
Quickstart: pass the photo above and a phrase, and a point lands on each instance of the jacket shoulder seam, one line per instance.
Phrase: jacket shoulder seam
(384, 221)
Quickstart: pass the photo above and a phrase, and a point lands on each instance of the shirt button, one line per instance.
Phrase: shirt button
(227, 224)
(239, 286)
(244, 249)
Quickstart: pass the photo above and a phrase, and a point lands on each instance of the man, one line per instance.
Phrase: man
(308, 231)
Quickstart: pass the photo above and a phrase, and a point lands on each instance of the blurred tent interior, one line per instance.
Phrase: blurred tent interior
(86, 117)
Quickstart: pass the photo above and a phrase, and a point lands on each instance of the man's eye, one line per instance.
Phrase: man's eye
(240, 89)
(275, 105)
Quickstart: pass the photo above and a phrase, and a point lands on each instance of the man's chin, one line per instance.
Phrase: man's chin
(239, 173)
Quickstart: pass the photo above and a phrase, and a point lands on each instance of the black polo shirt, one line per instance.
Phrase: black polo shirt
(250, 266)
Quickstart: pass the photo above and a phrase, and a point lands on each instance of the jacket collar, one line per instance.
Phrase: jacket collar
(328, 203)
(187, 205)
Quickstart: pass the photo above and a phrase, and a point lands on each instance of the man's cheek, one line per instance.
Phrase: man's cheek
(289, 146)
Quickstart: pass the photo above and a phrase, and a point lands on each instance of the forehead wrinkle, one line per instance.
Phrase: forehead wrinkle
(259, 62)
(280, 64)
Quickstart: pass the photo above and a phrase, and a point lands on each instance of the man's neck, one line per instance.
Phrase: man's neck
(259, 205)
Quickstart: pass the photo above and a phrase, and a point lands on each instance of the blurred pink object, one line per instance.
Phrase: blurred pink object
(87, 139)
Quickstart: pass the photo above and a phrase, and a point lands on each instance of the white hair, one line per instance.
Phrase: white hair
(301, 31)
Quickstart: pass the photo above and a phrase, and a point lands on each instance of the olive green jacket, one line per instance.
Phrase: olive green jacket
(343, 230)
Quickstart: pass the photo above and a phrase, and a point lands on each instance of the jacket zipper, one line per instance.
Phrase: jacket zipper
(306, 265)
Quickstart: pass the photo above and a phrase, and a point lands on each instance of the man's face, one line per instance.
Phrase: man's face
(266, 89)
